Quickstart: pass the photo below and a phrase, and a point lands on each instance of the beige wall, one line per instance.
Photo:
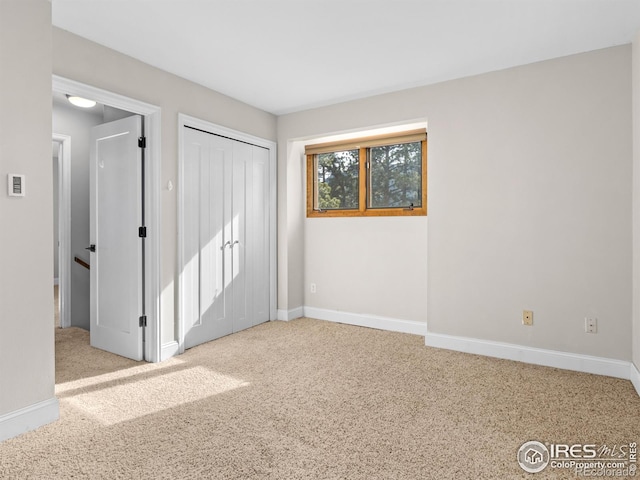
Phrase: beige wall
(84, 61)
(375, 266)
(529, 206)
(26, 257)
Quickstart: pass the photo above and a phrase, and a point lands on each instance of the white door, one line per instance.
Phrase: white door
(251, 195)
(207, 309)
(116, 247)
(226, 236)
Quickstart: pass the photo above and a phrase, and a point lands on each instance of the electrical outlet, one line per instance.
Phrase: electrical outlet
(313, 288)
(591, 325)
(527, 317)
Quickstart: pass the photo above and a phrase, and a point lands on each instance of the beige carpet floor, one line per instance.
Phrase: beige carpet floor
(312, 400)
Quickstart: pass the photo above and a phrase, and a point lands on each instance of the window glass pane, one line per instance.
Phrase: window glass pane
(337, 184)
(395, 175)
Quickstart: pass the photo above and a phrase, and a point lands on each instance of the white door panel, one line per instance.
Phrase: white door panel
(116, 214)
(259, 263)
(241, 161)
(224, 157)
(191, 253)
(226, 244)
(213, 292)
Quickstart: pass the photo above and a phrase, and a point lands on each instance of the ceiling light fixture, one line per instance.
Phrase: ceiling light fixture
(81, 102)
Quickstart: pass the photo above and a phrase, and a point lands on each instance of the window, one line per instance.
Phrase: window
(373, 176)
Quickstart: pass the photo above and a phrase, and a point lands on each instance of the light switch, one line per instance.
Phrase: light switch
(15, 185)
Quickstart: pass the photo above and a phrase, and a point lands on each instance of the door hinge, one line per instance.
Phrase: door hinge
(142, 232)
(142, 142)
(143, 321)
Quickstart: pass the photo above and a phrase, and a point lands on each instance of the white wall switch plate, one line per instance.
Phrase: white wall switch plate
(15, 185)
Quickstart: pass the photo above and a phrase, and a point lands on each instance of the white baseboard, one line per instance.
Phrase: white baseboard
(29, 418)
(634, 375)
(370, 321)
(169, 350)
(537, 356)
(286, 315)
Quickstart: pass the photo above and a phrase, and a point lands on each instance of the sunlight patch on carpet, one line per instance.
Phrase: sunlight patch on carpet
(119, 374)
(127, 401)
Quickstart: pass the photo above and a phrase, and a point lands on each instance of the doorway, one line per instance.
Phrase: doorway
(151, 351)
(71, 178)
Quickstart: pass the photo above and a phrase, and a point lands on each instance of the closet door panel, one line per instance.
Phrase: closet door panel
(214, 293)
(241, 165)
(225, 279)
(258, 220)
(191, 245)
(207, 295)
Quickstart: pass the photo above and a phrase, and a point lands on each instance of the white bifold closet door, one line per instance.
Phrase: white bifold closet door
(226, 236)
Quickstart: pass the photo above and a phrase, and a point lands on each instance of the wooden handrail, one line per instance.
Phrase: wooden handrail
(82, 262)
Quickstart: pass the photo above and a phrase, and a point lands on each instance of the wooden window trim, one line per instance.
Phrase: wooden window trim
(364, 144)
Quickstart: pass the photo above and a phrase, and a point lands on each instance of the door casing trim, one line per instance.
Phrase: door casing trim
(64, 227)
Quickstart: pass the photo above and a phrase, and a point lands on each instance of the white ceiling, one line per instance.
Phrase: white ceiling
(288, 55)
